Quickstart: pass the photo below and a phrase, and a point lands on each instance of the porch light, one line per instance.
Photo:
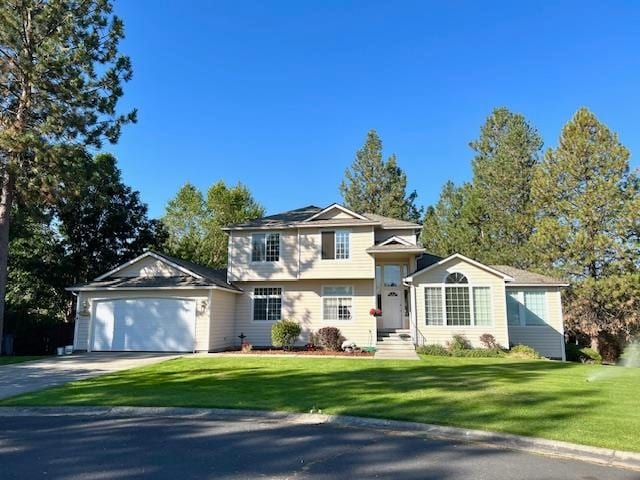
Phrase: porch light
(84, 308)
(203, 306)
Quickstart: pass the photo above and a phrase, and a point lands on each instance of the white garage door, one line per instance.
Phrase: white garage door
(144, 325)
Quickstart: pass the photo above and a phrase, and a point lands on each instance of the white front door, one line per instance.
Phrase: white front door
(392, 307)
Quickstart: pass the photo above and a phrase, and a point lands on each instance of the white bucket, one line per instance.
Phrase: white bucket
(60, 350)
(68, 350)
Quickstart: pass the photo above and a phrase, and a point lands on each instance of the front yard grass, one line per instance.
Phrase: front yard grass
(9, 359)
(536, 398)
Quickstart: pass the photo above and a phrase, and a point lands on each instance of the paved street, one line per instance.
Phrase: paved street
(89, 447)
(38, 374)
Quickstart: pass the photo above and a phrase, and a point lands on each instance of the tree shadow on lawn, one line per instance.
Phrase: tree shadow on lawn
(530, 398)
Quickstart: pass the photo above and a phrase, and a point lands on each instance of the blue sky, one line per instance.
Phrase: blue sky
(280, 94)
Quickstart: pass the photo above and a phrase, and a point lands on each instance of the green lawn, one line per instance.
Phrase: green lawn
(6, 360)
(536, 398)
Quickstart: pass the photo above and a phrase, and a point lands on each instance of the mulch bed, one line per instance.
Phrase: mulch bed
(302, 351)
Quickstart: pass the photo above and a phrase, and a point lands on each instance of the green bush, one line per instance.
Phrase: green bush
(575, 353)
(284, 333)
(478, 353)
(458, 342)
(330, 338)
(433, 349)
(523, 351)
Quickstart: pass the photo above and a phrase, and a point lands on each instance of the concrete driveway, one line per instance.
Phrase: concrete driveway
(38, 374)
(95, 447)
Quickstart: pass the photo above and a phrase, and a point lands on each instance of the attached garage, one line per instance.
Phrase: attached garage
(155, 303)
(144, 325)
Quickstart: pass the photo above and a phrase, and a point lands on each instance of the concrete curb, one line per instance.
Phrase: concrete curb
(601, 456)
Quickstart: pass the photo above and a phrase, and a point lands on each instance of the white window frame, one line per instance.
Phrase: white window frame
(522, 313)
(253, 296)
(351, 297)
(335, 232)
(470, 286)
(266, 235)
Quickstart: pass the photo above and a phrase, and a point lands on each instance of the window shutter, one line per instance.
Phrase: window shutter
(328, 245)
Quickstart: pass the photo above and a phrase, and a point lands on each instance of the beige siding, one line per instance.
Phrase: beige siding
(359, 265)
(241, 268)
(223, 310)
(408, 235)
(547, 339)
(477, 277)
(83, 330)
(148, 267)
(302, 302)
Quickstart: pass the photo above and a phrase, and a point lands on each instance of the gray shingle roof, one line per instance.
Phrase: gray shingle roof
(147, 282)
(211, 277)
(524, 277)
(293, 217)
(283, 219)
(388, 222)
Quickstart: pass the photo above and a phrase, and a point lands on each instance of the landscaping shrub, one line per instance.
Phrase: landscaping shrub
(489, 341)
(330, 338)
(458, 342)
(575, 353)
(478, 353)
(524, 352)
(433, 349)
(284, 333)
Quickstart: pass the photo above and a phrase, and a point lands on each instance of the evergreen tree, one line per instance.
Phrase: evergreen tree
(60, 80)
(372, 185)
(589, 206)
(446, 228)
(506, 154)
(101, 221)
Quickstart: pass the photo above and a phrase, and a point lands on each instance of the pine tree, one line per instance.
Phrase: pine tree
(372, 185)
(61, 78)
(506, 154)
(588, 204)
(446, 228)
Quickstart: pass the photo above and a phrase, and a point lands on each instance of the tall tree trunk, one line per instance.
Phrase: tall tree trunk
(6, 200)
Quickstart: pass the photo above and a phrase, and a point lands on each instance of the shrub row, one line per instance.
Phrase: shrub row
(460, 346)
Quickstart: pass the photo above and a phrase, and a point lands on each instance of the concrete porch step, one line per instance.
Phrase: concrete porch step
(395, 341)
(406, 346)
(396, 355)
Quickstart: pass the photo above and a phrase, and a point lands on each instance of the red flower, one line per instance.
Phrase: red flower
(375, 312)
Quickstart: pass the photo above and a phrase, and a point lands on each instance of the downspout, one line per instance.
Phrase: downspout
(413, 313)
(75, 326)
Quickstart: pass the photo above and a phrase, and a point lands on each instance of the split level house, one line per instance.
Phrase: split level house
(319, 267)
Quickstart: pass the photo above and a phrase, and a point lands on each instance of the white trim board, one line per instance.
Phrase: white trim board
(335, 206)
(144, 255)
(459, 256)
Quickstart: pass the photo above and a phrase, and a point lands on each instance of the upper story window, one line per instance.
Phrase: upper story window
(456, 303)
(265, 247)
(336, 245)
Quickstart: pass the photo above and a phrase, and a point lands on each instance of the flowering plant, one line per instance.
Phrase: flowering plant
(246, 347)
(375, 312)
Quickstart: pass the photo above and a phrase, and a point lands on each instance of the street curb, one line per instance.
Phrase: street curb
(601, 456)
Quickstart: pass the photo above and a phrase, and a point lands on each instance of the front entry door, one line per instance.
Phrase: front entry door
(392, 308)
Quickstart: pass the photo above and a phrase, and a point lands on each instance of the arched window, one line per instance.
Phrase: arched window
(456, 277)
(457, 302)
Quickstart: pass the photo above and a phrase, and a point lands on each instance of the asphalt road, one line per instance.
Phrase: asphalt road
(89, 447)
